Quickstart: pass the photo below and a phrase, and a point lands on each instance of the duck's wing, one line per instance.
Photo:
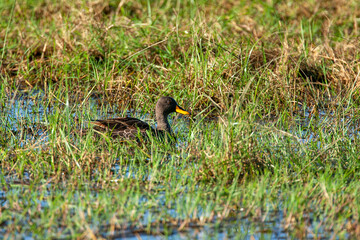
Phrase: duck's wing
(122, 127)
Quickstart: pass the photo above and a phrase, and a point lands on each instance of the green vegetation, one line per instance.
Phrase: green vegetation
(273, 144)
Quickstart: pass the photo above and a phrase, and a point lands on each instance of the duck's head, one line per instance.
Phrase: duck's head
(167, 105)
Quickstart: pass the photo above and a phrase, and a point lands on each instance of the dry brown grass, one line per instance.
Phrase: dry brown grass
(206, 54)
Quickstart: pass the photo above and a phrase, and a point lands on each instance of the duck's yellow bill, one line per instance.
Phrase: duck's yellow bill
(182, 111)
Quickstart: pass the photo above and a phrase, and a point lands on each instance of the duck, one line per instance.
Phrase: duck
(133, 128)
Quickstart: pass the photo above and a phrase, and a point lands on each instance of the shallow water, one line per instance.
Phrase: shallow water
(236, 226)
(25, 111)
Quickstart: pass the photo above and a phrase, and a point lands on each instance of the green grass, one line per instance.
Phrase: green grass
(273, 88)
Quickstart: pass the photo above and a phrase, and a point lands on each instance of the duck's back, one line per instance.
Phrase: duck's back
(122, 127)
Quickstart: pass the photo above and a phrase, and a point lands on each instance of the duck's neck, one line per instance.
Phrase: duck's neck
(162, 122)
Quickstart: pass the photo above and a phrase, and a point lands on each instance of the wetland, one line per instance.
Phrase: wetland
(270, 151)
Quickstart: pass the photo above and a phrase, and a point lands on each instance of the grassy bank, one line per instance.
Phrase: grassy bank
(273, 88)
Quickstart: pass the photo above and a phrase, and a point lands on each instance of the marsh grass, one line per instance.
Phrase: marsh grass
(273, 88)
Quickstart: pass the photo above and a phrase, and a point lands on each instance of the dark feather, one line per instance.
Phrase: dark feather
(125, 127)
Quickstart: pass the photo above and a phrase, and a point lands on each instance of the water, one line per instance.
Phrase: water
(27, 116)
(270, 224)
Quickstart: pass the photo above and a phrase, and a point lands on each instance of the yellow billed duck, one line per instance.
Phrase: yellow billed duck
(130, 128)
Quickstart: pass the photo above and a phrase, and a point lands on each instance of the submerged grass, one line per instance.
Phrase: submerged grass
(273, 87)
